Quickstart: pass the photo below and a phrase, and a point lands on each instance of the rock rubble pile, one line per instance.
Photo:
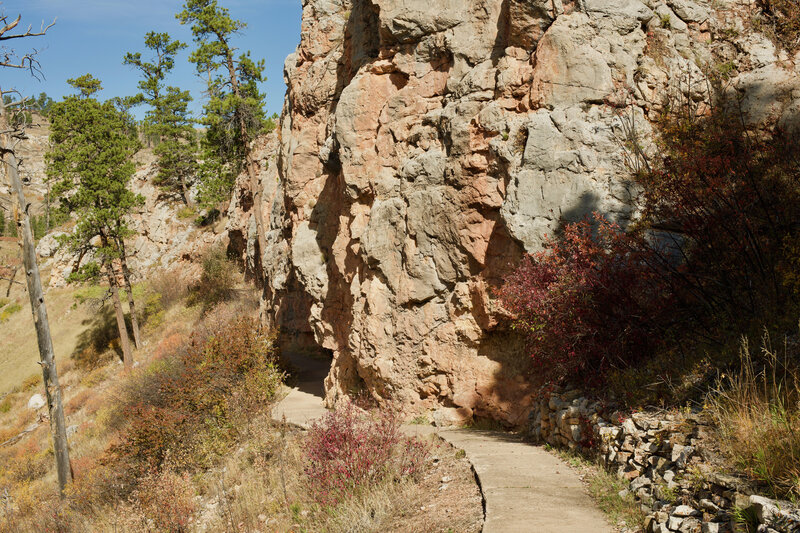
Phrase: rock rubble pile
(668, 461)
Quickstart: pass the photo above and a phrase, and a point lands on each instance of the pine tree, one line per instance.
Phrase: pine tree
(43, 103)
(90, 165)
(2, 223)
(168, 119)
(234, 113)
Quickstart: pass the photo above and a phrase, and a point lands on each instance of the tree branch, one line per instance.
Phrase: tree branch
(28, 33)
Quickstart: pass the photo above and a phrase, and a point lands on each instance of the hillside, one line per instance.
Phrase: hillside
(479, 233)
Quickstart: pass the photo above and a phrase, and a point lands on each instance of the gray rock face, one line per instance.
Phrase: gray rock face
(48, 245)
(424, 147)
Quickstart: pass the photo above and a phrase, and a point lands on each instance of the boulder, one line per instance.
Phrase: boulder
(36, 402)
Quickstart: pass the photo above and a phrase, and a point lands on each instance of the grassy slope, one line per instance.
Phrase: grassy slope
(19, 351)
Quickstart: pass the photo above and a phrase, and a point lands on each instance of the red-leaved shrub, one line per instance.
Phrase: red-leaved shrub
(166, 499)
(588, 303)
(349, 450)
(731, 201)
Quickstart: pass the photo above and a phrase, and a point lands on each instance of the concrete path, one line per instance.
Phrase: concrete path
(525, 488)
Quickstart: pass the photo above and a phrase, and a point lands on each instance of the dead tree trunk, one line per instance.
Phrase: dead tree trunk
(40, 321)
(11, 280)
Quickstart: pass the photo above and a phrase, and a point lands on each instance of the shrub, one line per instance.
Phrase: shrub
(185, 409)
(589, 303)
(757, 414)
(32, 381)
(785, 20)
(728, 201)
(217, 280)
(166, 499)
(77, 402)
(186, 212)
(348, 451)
(714, 252)
(170, 286)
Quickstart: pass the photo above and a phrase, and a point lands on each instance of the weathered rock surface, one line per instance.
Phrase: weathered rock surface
(425, 146)
(36, 402)
(161, 237)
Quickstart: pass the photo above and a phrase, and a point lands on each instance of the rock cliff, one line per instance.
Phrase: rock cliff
(424, 146)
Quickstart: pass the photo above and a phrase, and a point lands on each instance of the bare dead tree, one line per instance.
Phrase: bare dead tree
(10, 137)
(9, 57)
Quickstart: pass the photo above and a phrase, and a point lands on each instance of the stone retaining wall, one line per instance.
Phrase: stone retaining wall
(666, 457)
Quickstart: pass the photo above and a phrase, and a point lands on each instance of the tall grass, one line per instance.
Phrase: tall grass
(757, 412)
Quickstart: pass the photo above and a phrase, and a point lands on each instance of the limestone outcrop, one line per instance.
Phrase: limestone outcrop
(424, 146)
(161, 237)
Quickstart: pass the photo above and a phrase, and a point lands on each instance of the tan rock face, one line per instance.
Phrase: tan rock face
(424, 146)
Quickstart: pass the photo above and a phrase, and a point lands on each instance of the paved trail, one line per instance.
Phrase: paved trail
(525, 488)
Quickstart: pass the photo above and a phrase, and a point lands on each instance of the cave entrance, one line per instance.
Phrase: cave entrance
(308, 369)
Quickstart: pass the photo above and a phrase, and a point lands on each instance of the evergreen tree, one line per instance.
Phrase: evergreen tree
(168, 120)
(90, 165)
(43, 103)
(2, 223)
(234, 113)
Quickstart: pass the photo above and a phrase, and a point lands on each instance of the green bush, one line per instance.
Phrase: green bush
(218, 279)
(187, 212)
(186, 408)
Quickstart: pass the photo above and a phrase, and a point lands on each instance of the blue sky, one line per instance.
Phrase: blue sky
(94, 35)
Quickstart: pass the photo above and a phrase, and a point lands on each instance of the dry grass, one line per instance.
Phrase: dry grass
(262, 487)
(19, 352)
(607, 490)
(757, 413)
(258, 483)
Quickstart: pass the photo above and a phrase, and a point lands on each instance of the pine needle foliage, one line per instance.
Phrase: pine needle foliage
(168, 118)
(89, 164)
(234, 113)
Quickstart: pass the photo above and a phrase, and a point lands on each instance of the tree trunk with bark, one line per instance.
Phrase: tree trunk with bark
(122, 328)
(126, 275)
(124, 340)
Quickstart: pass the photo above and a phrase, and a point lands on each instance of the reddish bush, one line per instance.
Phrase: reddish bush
(588, 303)
(166, 499)
(348, 451)
(714, 253)
(730, 199)
(170, 345)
